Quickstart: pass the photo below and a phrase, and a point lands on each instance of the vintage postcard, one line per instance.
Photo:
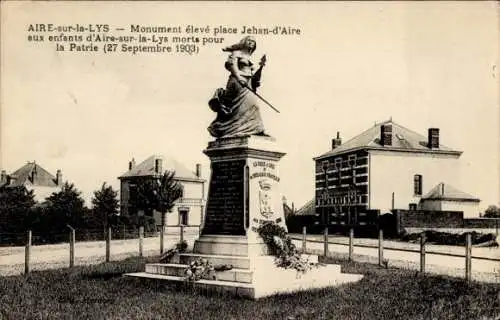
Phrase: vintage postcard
(249, 160)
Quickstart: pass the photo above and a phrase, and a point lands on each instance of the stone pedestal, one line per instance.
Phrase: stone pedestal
(243, 193)
(244, 187)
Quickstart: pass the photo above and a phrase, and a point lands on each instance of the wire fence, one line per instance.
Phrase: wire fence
(381, 247)
(56, 248)
(8, 239)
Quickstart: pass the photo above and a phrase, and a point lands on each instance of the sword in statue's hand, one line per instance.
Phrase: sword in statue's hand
(261, 98)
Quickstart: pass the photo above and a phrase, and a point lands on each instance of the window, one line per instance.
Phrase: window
(325, 165)
(338, 166)
(183, 217)
(351, 160)
(338, 163)
(413, 206)
(417, 184)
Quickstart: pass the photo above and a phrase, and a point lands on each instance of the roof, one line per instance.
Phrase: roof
(32, 174)
(446, 192)
(147, 169)
(287, 210)
(309, 209)
(403, 140)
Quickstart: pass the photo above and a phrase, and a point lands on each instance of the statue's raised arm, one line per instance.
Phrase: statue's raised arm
(237, 105)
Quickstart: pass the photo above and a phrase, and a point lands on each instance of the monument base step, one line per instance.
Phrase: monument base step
(229, 245)
(173, 269)
(239, 262)
(233, 288)
(261, 280)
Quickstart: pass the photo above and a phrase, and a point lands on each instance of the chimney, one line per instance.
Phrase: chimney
(442, 189)
(59, 177)
(198, 170)
(386, 135)
(33, 173)
(433, 138)
(131, 164)
(3, 178)
(158, 167)
(337, 141)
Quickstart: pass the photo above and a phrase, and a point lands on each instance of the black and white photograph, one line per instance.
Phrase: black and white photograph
(249, 160)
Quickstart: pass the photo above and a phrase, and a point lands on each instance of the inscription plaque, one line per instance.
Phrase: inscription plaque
(226, 199)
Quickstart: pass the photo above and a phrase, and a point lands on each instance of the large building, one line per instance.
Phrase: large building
(35, 178)
(385, 167)
(188, 210)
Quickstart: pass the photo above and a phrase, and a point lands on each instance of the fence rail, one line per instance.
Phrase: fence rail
(107, 236)
(381, 248)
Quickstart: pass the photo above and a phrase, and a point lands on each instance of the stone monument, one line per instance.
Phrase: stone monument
(243, 193)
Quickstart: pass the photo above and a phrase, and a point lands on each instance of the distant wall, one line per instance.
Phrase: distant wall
(406, 219)
(428, 219)
(454, 230)
(492, 223)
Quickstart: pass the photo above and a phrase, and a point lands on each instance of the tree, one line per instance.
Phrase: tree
(158, 194)
(105, 204)
(492, 212)
(16, 205)
(66, 207)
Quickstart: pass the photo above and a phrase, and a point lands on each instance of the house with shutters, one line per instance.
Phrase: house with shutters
(188, 211)
(386, 167)
(33, 177)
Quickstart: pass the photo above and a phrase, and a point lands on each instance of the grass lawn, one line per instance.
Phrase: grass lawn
(98, 292)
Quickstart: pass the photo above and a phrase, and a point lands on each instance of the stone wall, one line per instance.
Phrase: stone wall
(491, 223)
(406, 219)
(428, 219)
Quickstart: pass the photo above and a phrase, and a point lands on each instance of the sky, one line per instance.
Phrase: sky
(353, 64)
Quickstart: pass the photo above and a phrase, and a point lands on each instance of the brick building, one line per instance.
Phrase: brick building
(385, 167)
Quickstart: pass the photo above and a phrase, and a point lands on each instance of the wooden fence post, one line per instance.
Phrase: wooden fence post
(72, 248)
(351, 243)
(468, 254)
(422, 252)
(27, 251)
(141, 236)
(325, 242)
(108, 244)
(381, 247)
(162, 237)
(181, 233)
(304, 239)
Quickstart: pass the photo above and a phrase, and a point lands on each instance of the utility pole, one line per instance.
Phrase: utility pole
(325, 195)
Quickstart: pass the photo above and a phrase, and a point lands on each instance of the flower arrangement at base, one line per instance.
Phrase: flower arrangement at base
(281, 246)
(203, 269)
(200, 269)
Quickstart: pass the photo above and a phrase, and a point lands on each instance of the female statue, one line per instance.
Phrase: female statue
(236, 106)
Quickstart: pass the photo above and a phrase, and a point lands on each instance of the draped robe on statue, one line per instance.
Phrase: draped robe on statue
(236, 106)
